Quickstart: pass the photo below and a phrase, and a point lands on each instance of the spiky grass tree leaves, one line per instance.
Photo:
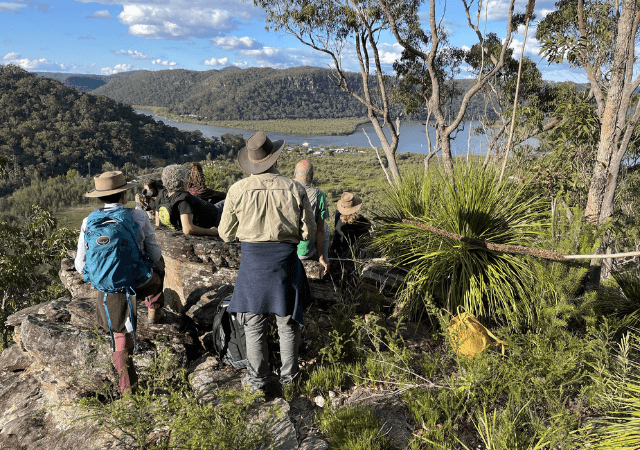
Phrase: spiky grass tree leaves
(456, 273)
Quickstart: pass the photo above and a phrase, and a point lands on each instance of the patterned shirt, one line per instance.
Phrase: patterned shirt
(267, 208)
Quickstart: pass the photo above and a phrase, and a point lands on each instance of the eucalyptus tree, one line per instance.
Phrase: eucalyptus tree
(331, 26)
(427, 46)
(599, 37)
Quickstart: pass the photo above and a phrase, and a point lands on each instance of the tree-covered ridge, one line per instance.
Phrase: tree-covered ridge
(46, 129)
(260, 94)
(158, 88)
(249, 94)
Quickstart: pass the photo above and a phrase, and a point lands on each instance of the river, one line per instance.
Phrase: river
(412, 136)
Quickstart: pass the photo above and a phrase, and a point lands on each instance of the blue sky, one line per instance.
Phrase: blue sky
(111, 36)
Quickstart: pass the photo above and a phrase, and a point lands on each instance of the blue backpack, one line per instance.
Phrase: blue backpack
(113, 262)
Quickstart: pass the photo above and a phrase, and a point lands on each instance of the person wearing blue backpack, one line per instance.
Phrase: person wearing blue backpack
(118, 253)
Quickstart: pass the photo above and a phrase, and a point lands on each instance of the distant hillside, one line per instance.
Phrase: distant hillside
(247, 94)
(83, 82)
(47, 129)
(233, 94)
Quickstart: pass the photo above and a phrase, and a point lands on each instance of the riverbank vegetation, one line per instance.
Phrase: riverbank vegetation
(318, 127)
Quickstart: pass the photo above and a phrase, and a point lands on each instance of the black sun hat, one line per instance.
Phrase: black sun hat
(259, 154)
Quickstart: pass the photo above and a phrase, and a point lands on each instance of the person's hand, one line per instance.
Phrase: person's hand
(325, 264)
(160, 264)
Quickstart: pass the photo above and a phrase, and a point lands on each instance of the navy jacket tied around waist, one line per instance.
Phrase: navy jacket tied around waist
(271, 279)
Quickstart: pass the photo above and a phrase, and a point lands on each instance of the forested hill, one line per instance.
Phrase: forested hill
(241, 94)
(83, 82)
(47, 129)
(256, 93)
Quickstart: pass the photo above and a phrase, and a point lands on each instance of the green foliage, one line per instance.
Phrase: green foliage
(53, 193)
(221, 177)
(461, 273)
(165, 402)
(49, 128)
(353, 428)
(29, 259)
(620, 428)
(531, 398)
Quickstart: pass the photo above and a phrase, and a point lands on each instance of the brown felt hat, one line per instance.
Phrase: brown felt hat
(349, 203)
(259, 154)
(110, 183)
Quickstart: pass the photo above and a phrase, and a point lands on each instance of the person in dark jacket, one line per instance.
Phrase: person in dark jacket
(350, 226)
(196, 184)
(180, 210)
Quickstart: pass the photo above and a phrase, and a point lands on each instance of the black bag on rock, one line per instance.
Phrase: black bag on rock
(228, 337)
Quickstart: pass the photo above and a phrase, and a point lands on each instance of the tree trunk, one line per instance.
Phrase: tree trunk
(605, 173)
(447, 160)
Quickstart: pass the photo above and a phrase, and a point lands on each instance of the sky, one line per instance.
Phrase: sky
(111, 36)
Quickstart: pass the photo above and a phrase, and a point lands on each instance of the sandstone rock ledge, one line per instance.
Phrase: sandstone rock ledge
(59, 355)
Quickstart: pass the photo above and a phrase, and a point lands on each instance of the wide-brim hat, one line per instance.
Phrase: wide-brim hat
(349, 203)
(259, 154)
(110, 183)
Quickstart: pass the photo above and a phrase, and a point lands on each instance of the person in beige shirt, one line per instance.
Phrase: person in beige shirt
(269, 214)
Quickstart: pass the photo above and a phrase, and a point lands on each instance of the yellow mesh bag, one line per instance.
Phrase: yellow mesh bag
(469, 337)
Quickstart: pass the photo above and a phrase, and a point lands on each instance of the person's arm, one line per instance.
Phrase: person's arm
(307, 216)
(151, 247)
(189, 228)
(81, 252)
(320, 244)
(228, 225)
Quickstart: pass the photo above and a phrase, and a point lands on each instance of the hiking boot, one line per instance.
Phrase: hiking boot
(155, 316)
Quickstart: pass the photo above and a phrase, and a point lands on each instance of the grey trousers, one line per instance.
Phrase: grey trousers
(255, 330)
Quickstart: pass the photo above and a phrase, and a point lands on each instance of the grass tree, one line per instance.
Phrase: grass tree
(459, 272)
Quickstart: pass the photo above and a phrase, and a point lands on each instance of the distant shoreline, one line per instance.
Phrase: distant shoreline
(317, 127)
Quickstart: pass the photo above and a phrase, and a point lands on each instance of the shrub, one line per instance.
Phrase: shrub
(353, 428)
(459, 272)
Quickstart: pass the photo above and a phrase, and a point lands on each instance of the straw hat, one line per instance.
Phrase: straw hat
(259, 154)
(110, 183)
(349, 203)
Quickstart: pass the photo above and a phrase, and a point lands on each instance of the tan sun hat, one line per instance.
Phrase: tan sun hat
(349, 203)
(110, 183)
(259, 154)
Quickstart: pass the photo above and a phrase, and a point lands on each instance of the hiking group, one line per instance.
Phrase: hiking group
(279, 222)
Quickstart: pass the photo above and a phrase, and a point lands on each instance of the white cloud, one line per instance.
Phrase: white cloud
(115, 69)
(135, 54)
(217, 62)
(34, 64)
(104, 15)
(532, 46)
(240, 64)
(235, 43)
(182, 19)
(159, 62)
(12, 8)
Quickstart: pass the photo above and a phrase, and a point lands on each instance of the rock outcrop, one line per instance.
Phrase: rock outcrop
(59, 355)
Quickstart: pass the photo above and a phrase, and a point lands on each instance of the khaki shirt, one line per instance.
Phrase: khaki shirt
(267, 208)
